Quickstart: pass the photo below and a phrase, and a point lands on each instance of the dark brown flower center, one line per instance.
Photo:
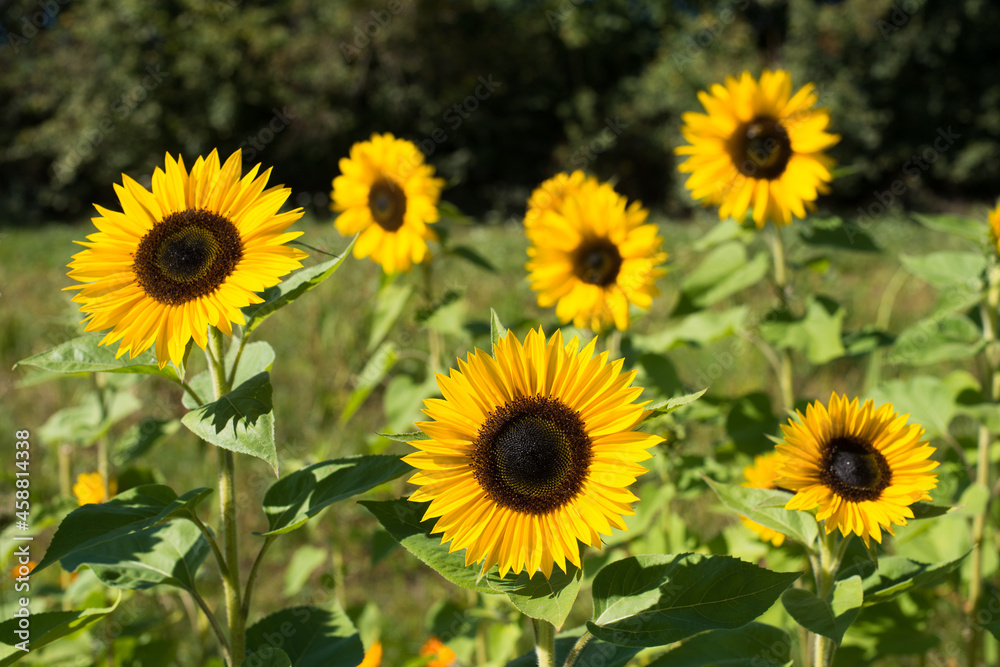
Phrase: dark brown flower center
(597, 262)
(761, 148)
(387, 203)
(854, 469)
(532, 455)
(186, 255)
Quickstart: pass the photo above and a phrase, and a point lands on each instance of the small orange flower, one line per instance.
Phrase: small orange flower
(442, 655)
(21, 570)
(995, 225)
(89, 488)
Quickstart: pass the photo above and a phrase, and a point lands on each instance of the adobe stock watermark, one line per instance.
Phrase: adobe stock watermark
(364, 33)
(29, 26)
(566, 7)
(120, 109)
(694, 45)
(455, 116)
(608, 137)
(898, 17)
(911, 170)
(255, 143)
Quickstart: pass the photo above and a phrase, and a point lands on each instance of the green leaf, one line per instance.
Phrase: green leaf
(89, 421)
(993, 628)
(301, 566)
(538, 597)
(47, 627)
(929, 401)
(86, 355)
(947, 268)
(896, 575)
(293, 499)
(290, 289)
(402, 518)
(375, 370)
(241, 421)
(830, 619)
(389, 304)
(257, 357)
(596, 653)
(129, 512)
(767, 507)
(753, 645)
(699, 328)
(167, 554)
(268, 657)
(473, 257)
(724, 271)
(817, 334)
(142, 437)
(671, 404)
(933, 340)
(405, 437)
(834, 233)
(310, 636)
(653, 600)
(497, 330)
(965, 228)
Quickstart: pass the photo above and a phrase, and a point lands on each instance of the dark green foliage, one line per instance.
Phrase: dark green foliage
(104, 88)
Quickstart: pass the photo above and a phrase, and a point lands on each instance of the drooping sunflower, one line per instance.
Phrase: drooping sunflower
(758, 147)
(530, 451)
(550, 195)
(593, 257)
(184, 257)
(861, 467)
(761, 475)
(995, 226)
(386, 192)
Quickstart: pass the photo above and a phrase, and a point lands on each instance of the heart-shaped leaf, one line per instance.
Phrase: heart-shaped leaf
(309, 636)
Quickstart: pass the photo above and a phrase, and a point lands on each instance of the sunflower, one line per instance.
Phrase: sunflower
(594, 256)
(530, 451)
(186, 256)
(89, 488)
(388, 194)
(995, 226)
(761, 475)
(861, 467)
(550, 195)
(758, 147)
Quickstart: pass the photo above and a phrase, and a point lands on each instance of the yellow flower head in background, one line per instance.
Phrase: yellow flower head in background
(440, 654)
(593, 257)
(530, 451)
(184, 257)
(861, 467)
(761, 475)
(373, 656)
(758, 147)
(89, 488)
(387, 193)
(995, 226)
(550, 195)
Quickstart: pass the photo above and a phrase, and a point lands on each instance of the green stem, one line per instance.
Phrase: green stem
(991, 388)
(236, 361)
(882, 321)
(227, 510)
(786, 370)
(252, 578)
(100, 384)
(214, 622)
(577, 649)
(831, 554)
(213, 545)
(545, 642)
(614, 340)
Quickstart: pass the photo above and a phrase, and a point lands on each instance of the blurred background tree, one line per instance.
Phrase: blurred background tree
(499, 93)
